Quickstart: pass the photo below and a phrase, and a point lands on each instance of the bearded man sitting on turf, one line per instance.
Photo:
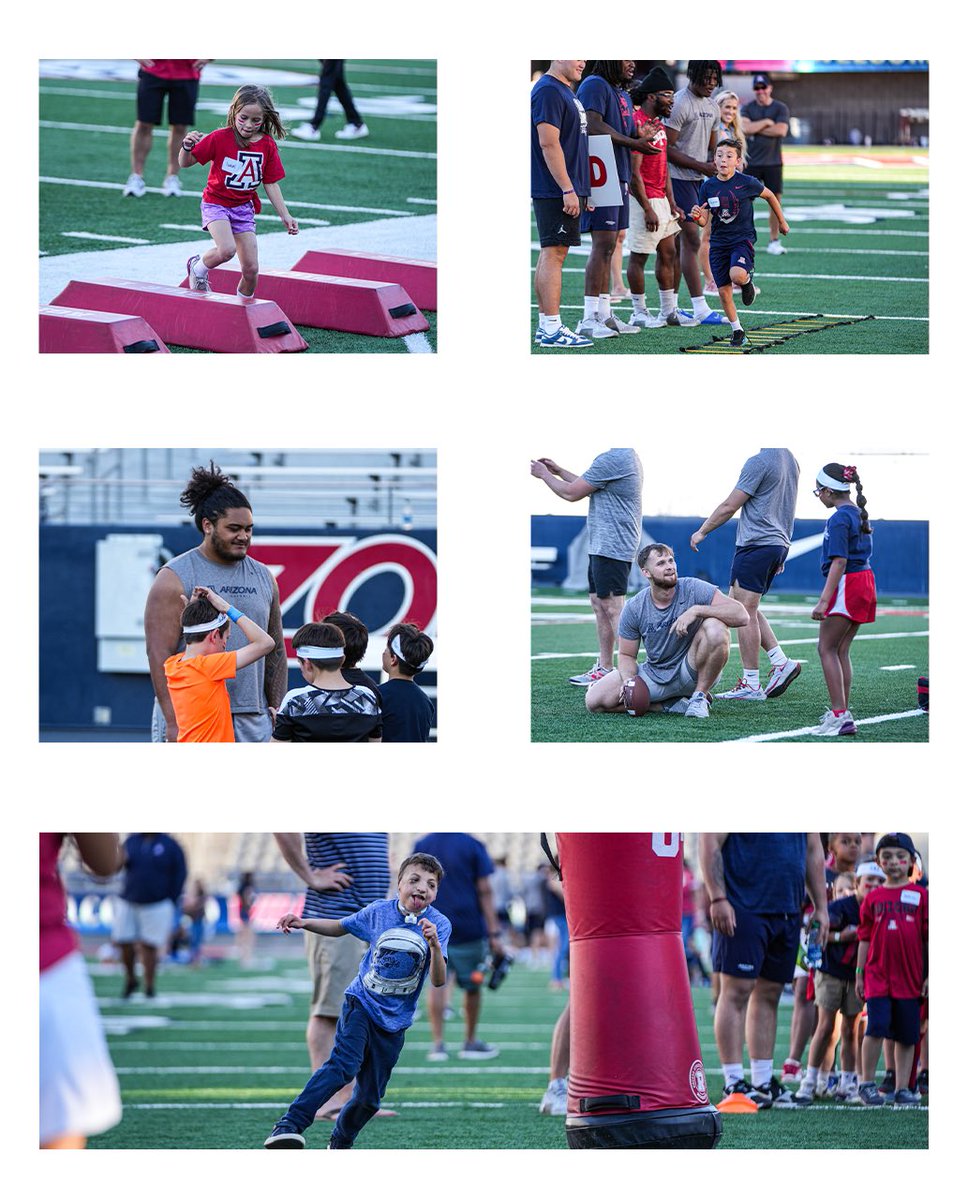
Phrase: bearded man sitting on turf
(685, 626)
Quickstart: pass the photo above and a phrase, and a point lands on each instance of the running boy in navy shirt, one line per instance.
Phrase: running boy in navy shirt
(728, 196)
(407, 941)
(892, 966)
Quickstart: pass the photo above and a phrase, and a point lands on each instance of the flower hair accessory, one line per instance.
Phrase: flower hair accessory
(850, 474)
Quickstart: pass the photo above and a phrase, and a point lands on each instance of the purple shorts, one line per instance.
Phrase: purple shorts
(240, 219)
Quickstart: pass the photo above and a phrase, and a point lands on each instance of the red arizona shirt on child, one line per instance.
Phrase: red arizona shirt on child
(895, 923)
(236, 173)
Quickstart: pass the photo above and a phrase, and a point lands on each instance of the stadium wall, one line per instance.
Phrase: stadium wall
(94, 580)
(900, 558)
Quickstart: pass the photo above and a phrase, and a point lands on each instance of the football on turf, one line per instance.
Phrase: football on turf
(635, 696)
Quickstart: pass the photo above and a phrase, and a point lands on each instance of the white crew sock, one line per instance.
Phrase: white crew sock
(551, 322)
(737, 324)
(638, 303)
(699, 306)
(761, 1071)
(811, 1076)
(667, 303)
(200, 269)
(604, 306)
(732, 1073)
(776, 656)
(591, 308)
(752, 678)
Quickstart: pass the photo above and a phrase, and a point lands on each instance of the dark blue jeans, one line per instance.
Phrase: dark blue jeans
(361, 1049)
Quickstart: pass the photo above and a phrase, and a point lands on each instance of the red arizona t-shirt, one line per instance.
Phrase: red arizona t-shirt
(236, 174)
(654, 168)
(895, 922)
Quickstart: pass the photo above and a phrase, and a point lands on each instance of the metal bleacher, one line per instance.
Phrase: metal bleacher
(344, 488)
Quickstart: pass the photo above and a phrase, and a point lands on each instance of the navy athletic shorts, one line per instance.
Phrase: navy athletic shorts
(764, 946)
(686, 194)
(897, 1019)
(754, 567)
(608, 576)
(722, 258)
(612, 219)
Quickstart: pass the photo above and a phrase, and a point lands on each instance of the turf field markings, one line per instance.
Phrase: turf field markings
(417, 343)
(106, 237)
(790, 733)
(300, 1069)
(274, 1104)
(316, 147)
(847, 278)
(900, 667)
(414, 1046)
(861, 637)
(418, 200)
(781, 312)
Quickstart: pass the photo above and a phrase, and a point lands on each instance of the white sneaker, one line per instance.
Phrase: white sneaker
(437, 1053)
(349, 133)
(594, 328)
(613, 322)
(781, 678)
(742, 691)
(554, 1103)
(172, 186)
(831, 726)
(647, 320)
(698, 705)
(776, 247)
(805, 1093)
(597, 672)
(305, 132)
(134, 187)
(195, 282)
(561, 339)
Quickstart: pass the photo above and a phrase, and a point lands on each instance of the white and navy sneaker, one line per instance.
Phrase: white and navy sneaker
(562, 339)
(594, 328)
(172, 186)
(613, 322)
(781, 678)
(134, 187)
(554, 1103)
(776, 247)
(698, 705)
(869, 1095)
(284, 1137)
(589, 677)
(742, 691)
(195, 282)
(305, 132)
(350, 133)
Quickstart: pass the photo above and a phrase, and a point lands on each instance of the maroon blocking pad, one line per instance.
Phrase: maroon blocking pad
(326, 302)
(418, 276)
(85, 331)
(201, 320)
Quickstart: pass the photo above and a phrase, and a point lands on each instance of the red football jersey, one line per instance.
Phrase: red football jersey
(236, 173)
(895, 923)
(654, 168)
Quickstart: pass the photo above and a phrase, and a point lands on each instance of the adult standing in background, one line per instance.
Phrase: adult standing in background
(158, 78)
(766, 498)
(343, 872)
(145, 913)
(613, 486)
(559, 191)
(223, 517)
(332, 78)
(766, 122)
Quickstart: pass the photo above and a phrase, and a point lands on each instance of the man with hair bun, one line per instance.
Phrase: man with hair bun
(408, 714)
(223, 516)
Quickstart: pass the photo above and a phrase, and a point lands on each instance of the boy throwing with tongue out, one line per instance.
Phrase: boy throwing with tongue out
(407, 942)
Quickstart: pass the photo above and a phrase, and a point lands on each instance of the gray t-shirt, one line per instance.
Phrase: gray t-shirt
(694, 117)
(248, 585)
(771, 479)
(764, 151)
(664, 650)
(615, 509)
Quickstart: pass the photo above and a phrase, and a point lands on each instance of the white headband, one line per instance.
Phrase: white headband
(219, 621)
(320, 652)
(835, 485)
(395, 647)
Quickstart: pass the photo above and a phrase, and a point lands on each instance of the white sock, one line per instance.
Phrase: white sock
(604, 306)
(761, 1071)
(638, 303)
(752, 677)
(699, 306)
(732, 1073)
(200, 270)
(734, 325)
(667, 302)
(776, 656)
(811, 1076)
(591, 308)
(551, 323)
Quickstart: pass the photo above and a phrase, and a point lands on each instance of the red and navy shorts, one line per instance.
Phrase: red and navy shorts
(855, 598)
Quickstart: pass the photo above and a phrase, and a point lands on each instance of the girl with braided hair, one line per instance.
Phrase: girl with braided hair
(849, 596)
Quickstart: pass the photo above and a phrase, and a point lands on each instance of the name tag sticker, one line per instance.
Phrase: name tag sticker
(713, 202)
(910, 897)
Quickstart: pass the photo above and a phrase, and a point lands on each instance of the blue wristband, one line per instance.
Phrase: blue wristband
(234, 614)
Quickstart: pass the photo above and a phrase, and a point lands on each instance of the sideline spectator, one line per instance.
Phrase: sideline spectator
(408, 712)
(613, 487)
(555, 909)
(146, 911)
(343, 873)
(560, 189)
(178, 79)
(756, 884)
(79, 1093)
(332, 78)
(766, 122)
(193, 909)
(466, 899)
(245, 934)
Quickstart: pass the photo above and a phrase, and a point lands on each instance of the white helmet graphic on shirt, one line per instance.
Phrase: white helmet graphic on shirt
(397, 962)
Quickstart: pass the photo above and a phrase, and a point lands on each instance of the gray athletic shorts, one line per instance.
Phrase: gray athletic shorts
(249, 727)
(684, 683)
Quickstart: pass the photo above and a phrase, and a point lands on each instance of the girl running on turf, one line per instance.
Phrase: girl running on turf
(849, 597)
(243, 156)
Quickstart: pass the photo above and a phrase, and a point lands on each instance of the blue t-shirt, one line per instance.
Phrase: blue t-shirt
(396, 962)
(840, 960)
(731, 206)
(154, 868)
(554, 103)
(842, 538)
(465, 860)
(407, 713)
(766, 872)
(615, 108)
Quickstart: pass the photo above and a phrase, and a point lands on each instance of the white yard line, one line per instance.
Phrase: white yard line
(417, 343)
(790, 733)
(861, 637)
(105, 237)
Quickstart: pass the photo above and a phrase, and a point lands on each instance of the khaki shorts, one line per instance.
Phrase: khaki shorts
(639, 240)
(333, 963)
(836, 995)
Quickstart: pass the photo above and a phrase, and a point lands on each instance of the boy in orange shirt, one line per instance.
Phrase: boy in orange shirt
(196, 677)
